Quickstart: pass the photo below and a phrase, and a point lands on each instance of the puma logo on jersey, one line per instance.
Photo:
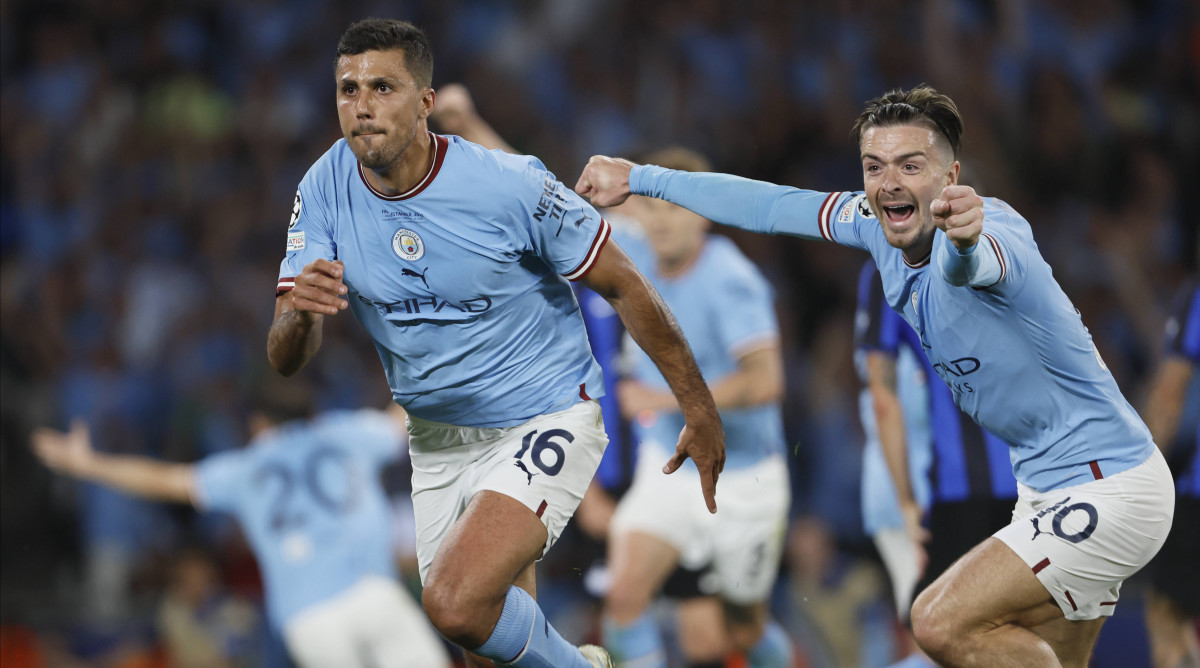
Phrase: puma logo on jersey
(405, 271)
(521, 465)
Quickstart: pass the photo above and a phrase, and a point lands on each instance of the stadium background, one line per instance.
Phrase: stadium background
(150, 153)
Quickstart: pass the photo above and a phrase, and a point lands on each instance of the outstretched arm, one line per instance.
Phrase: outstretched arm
(71, 454)
(650, 323)
(756, 206)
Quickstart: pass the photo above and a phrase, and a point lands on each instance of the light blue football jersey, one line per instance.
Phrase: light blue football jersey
(725, 309)
(309, 500)
(462, 282)
(1015, 353)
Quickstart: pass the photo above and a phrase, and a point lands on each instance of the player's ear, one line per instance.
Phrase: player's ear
(952, 173)
(428, 97)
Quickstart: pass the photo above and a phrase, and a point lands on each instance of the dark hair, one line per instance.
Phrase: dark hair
(384, 34)
(922, 104)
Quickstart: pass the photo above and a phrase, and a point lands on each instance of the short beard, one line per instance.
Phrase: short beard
(382, 158)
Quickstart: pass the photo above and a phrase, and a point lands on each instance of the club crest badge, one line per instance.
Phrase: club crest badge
(408, 244)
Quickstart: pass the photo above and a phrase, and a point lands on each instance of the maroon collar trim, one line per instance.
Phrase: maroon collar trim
(439, 154)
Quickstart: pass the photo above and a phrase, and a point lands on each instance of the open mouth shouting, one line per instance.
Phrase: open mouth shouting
(898, 215)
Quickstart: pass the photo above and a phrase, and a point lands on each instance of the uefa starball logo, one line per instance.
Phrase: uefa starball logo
(408, 244)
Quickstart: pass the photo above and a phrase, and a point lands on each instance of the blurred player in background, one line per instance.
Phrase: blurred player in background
(456, 260)
(894, 410)
(308, 497)
(725, 308)
(1173, 415)
(964, 271)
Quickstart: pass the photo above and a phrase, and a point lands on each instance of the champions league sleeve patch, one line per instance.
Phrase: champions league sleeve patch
(296, 206)
(295, 241)
(859, 203)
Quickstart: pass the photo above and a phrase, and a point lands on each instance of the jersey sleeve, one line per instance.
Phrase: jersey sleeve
(221, 480)
(309, 234)
(759, 206)
(747, 321)
(565, 231)
(876, 325)
(997, 260)
(1183, 327)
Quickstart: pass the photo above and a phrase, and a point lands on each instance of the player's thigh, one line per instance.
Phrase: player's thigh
(490, 545)
(748, 533)
(1072, 641)
(639, 564)
(988, 587)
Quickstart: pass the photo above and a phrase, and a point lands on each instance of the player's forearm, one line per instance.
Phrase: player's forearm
(890, 421)
(294, 339)
(757, 206)
(978, 266)
(654, 329)
(140, 476)
(758, 381)
(1165, 403)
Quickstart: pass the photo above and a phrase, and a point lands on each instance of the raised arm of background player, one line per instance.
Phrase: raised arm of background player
(71, 454)
(295, 337)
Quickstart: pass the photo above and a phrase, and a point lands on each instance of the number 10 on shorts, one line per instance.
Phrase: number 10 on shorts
(544, 452)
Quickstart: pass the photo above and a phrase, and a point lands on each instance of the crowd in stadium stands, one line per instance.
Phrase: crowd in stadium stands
(149, 156)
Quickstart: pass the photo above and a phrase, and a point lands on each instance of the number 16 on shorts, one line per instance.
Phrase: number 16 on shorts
(543, 452)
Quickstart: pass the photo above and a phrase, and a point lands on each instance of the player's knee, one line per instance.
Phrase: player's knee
(932, 628)
(625, 601)
(453, 614)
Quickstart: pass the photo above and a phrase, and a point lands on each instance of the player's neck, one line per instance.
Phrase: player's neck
(682, 264)
(410, 169)
(919, 253)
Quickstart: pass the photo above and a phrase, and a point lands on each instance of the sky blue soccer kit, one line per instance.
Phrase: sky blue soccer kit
(1014, 351)
(462, 282)
(725, 308)
(308, 498)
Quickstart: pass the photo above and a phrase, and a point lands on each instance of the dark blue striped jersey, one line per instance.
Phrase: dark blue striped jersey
(1183, 341)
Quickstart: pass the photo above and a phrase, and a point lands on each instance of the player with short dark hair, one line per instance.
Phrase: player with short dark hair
(458, 263)
(1095, 500)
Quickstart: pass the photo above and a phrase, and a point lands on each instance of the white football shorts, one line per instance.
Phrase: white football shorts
(903, 563)
(373, 623)
(743, 541)
(546, 463)
(1083, 541)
